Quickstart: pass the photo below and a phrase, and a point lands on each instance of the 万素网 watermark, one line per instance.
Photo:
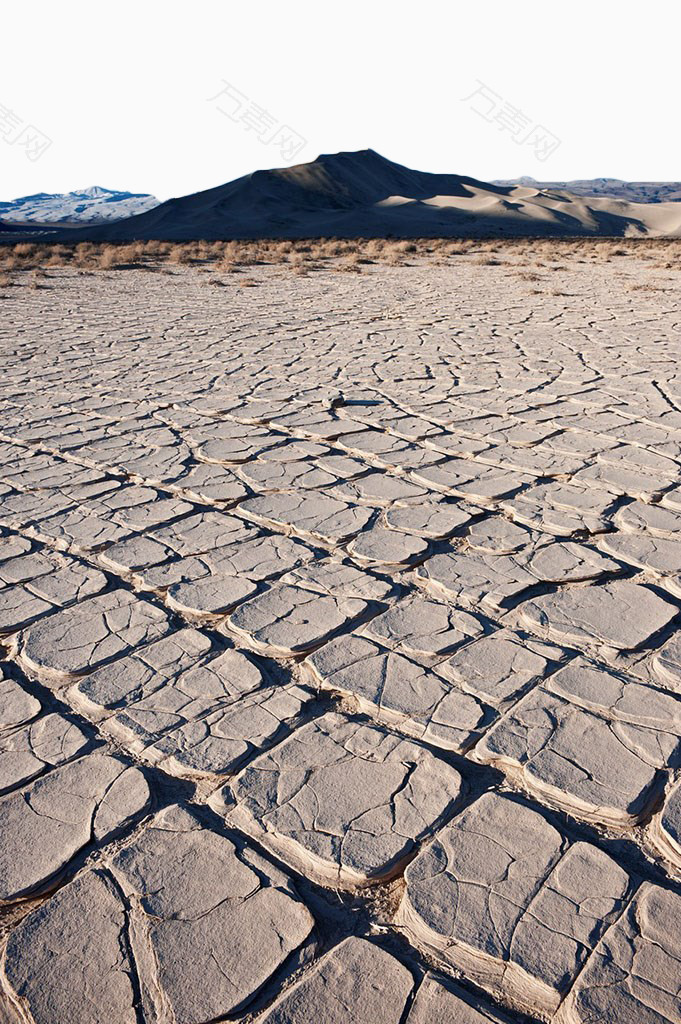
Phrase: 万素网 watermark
(17, 132)
(236, 106)
(494, 109)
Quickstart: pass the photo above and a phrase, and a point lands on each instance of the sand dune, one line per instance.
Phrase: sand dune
(362, 194)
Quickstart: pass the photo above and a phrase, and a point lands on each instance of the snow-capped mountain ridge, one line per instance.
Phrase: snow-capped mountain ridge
(92, 205)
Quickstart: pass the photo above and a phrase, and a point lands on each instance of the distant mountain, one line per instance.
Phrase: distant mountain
(88, 206)
(631, 191)
(361, 194)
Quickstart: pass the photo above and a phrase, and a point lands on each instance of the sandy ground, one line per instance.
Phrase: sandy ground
(340, 655)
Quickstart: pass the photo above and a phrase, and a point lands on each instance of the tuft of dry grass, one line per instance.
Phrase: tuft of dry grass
(646, 287)
(37, 278)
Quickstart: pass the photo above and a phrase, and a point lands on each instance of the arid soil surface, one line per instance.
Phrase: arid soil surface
(339, 624)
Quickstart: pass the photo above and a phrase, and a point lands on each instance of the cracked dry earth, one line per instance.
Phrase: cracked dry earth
(341, 664)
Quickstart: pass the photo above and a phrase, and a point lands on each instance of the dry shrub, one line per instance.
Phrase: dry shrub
(350, 264)
(203, 252)
(135, 252)
(106, 258)
(279, 249)
(247, 257)
(332, 248)
(53, 256)
(85, 255)
(210, 250)
(314, 255)
(375, 249)
(231, 250)
(458, 248)
(300, 256)
(24, 250)
(180, 255)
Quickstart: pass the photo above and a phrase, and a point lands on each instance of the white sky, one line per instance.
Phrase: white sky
(123, 89)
